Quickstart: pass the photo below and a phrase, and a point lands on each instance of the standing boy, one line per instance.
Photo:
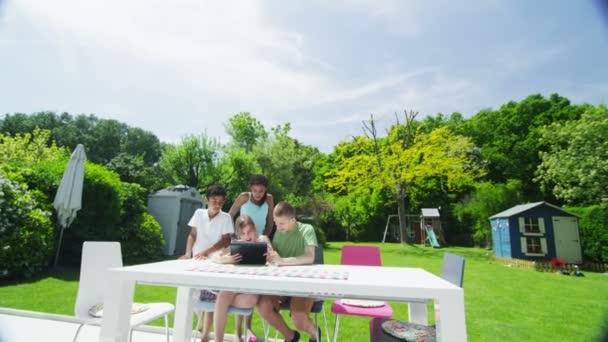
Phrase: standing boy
(211, 227)
(294, 243)
(211, 231)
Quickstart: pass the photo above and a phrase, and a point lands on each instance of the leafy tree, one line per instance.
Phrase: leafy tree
(288, 164)
(132, 169)
(575, 167)
(29, 148)
(509, 137)
(404, 159)
(235, 168)
(245, 130)
(487, 200)
(103, 139)
(192, 162)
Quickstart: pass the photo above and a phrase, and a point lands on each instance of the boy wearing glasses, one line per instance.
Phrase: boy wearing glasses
(211, 231)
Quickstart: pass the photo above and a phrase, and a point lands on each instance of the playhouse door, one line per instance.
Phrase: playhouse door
(567, 243)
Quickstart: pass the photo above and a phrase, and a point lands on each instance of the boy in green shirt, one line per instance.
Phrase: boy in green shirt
(294, 243)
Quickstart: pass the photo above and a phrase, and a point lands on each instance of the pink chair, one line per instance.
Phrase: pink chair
(360, 256)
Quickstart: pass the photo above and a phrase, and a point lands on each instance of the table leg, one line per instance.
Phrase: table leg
(418, 313)
(182, 325)
(451, 323)
(118, 300)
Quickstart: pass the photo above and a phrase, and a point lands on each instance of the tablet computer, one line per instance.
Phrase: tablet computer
(252, 253)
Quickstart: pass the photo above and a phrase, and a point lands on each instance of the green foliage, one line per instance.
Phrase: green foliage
(235, 169)
(111, 211)
(132, 169)
(487, 200)
(593, 228)
(140, 234)
(245, 130)
(192, 162)
(26, 231)
(142, 237)
(575, 167)
(29, 148)
(400, 164)
(103, 139)
(509, 137)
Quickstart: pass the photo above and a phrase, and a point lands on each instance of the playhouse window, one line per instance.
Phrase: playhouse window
(531, 225)
(533, 245)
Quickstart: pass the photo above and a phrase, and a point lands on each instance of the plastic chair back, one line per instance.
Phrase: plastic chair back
(361, 255)
(452, 269)
(97, 258)
(319, 259)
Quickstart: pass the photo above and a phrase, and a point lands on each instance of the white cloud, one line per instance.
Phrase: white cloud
(184, 66)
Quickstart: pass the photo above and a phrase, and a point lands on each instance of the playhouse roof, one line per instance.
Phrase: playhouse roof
(525, 207)
(430, 212)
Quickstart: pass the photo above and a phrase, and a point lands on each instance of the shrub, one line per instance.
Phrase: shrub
(26, 231)
(144, 238)
(111, 211)
(141, 233)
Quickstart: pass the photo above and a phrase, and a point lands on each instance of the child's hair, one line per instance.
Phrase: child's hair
(215, 190)
(240, 223)
(258, 180)
(284, 209)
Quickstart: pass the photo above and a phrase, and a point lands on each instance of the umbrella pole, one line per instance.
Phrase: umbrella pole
(59, 246)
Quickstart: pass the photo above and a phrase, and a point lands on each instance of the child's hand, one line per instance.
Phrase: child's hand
(186, 256)
(201, 255)
(273, 258)
(230, 259)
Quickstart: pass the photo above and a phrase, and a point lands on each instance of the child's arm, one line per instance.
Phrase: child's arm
(189, 244)
(269, 216)
(224, 242)
(307, 259)
(223, 256)
(236, 206)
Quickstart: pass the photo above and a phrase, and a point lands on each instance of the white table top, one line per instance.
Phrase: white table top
(382, 283)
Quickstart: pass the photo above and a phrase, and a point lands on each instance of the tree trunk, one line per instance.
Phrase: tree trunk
(401, 211)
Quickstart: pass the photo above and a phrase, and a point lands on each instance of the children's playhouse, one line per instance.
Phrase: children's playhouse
(536, 231)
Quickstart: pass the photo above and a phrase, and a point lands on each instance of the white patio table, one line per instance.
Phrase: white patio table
(397, 284)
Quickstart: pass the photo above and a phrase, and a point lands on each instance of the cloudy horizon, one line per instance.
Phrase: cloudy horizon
(184, 67)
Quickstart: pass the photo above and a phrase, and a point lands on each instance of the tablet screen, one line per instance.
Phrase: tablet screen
(252, 253)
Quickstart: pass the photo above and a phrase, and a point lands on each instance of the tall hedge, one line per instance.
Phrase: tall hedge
(26, 231)
(594, 232)
(111, 211)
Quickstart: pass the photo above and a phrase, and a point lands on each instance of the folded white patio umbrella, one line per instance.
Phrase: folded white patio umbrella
(68, 199)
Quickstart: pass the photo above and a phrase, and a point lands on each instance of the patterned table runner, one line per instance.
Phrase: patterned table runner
(284, 271)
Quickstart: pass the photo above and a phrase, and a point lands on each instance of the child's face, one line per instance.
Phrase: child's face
(284, 223)
(248, 233)
(215, 203)
(257, 192)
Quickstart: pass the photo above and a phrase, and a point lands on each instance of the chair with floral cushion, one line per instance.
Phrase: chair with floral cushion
(392, 330)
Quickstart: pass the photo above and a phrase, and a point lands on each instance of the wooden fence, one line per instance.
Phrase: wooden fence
(545, 266)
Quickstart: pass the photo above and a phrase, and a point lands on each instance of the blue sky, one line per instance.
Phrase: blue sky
(185, 66)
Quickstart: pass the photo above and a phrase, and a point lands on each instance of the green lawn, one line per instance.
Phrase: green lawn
(502, 303)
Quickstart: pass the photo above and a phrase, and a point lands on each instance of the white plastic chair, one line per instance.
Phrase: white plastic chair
(97, 258)
(206, 306)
